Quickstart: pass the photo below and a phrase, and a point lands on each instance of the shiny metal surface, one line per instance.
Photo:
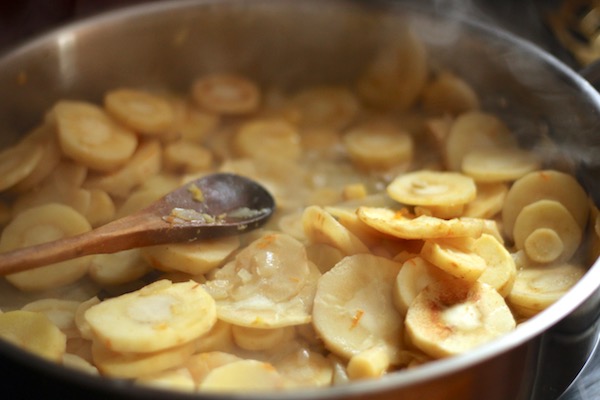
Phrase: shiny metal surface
(293, 43)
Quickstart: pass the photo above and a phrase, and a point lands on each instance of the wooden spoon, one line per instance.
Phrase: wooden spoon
(213, 206)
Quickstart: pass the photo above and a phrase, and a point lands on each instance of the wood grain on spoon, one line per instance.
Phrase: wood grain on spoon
(209, 207)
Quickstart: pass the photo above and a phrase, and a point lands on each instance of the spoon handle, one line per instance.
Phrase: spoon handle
(137, 230)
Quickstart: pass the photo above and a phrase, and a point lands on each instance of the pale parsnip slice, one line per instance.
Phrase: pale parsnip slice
(353, 307)
(118, 268)
(401, 225)
(321, 227)
(140, 110)
(19, 161)
(304, 368)
(201, 363)
(39, 225)
(369, 364)
(547, 232)
(432, 188)
(258, 339)
(447, 93)
(451, 318)
(537, 288)
(329, 107)
(416, 273)
(475, 130)
(499, 164)
(549, 185)
(179, 379)
(243, 376)
(145, 162)
(268, 138)
(226, 94)
(269, 284)
(89, 136)
(158, 316)
(488, 202)
(187, 157)
(34, 332)
(378, 146)
(101, 209)
(85, 331)
(135, 365)
(45, 135)
(193, 258)
(219, 338)
(395, 78)
(458, 261)
(60, 312)
(501, 270)
(79, 363)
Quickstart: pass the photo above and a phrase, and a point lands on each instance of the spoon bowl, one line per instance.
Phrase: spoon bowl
(213, 206)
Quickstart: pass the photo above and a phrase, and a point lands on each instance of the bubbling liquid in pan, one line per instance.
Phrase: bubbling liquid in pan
(410, 227)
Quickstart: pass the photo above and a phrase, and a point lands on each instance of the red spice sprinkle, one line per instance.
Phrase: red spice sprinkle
(267, 240)
(356, 318)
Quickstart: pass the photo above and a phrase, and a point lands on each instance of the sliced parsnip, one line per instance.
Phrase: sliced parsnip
(537, 288)
(369, 364)
(269, 284)
(451, 318)
(304, 368)
(143, 164)
(226, 94)
(34, 332)
(79, 363)
(140, 110)
(179, 379)
(349, 219)
(39, 225)
(501, 269)
(257, 339)
(101, 209)
(267, 139)
(60, 312)
(89, 136)
(547, 232)
(45, 135)
(330, 107)
(135, 365)
(404, 226)
(85, 331)
(395, 78)
(219, 338)
(201, 363)
(353, 307)
(187, 157)
(193, 258)
(378, 146)
(321, 227)
(432, 188)
(416, 273)
(488, 202)
(118, 268)
(156, 317)
(499, 164)
(19, 161)
(475, 130)
(57, 188)
(458, 261)
(243, 376)
(549, 185)
(447, 93)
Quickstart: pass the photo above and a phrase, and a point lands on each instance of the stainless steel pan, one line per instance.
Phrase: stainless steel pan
(294, 43)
